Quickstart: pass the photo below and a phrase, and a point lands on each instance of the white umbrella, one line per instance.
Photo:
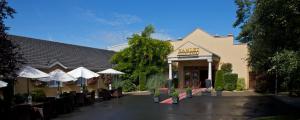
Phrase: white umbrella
(111, 72)
(32, 73)
(82, 73)
(58, 75)
(2, 84)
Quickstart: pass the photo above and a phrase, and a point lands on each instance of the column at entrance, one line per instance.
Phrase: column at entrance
(209, 71)
(170, 70)
(170, 77)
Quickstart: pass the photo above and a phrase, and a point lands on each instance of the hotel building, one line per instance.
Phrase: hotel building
(199, 55)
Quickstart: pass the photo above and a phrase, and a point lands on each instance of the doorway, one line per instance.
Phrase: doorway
(192, 77)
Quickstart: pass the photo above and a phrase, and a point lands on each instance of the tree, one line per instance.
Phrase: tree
(144, 57)
(226, 67)
(287, 65)
(268, 26)
(10, 58)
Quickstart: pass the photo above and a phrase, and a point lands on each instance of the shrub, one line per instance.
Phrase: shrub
(155, 81)
(20, 98)
(230, 80)
(117, 84)
(226, 67)
(142, 82)
(156, 93)
(38, 95)
(219, 80)
(240, 84)
(188, 89)
(262, 86)
(175, 94)
(128, 86)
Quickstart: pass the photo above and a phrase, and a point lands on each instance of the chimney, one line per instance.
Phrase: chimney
(230, 35)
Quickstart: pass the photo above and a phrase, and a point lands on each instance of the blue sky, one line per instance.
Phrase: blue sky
(102, 23)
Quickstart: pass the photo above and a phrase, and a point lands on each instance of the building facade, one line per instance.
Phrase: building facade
(48, 56)
(199, 55)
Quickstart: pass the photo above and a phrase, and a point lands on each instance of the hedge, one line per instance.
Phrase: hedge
(240, 84)
(226, 67)
(128, 86)
(230, 80)
(219, 80)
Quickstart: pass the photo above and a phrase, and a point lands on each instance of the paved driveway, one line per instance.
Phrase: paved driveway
(196, 108)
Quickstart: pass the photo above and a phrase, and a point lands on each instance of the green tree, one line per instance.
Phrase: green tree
(10, 58)
(268, 26)
(144, 57)
(226, 67)
(287, 65)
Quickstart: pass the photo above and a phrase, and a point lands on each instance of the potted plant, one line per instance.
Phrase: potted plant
(188, 92)
(156, 96)
(175, 97)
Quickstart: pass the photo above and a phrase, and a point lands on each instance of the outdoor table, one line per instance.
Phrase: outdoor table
(79, 99)
(28, 111)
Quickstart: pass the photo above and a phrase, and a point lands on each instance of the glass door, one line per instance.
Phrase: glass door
(187, 79)
(196, 79)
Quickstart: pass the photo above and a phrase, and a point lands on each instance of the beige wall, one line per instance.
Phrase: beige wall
(222, 47)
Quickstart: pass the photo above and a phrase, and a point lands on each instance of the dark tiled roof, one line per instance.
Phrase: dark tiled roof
(41, 54)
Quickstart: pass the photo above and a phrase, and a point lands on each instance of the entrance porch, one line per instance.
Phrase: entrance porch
(194, 64)
(192, 73)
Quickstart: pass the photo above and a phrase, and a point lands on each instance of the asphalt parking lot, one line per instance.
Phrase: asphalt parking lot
(198, 107)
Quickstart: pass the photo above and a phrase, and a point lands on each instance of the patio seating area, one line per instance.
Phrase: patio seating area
(52, 107)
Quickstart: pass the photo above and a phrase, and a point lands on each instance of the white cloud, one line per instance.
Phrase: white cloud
(112, 37)
(162, 36)
(115, 19)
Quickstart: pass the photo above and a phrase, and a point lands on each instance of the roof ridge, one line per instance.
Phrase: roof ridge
(31, 38)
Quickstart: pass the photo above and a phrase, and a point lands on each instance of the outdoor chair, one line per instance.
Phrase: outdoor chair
(93, 94)
(104, 94)
(79, 99)
(47, 110)
(88, 98)
(61, 105)
(117, 93)
(73, 95)
(22, 112)
(50, 106)
(69, 100)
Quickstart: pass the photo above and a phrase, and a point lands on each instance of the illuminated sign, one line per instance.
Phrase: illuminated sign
(188, 51)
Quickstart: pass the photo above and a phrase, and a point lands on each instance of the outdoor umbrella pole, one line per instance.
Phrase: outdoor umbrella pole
(27, 87)
(58, 87)
(81, 86)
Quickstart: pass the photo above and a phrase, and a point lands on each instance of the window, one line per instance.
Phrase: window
(81, 80)
(55, 84)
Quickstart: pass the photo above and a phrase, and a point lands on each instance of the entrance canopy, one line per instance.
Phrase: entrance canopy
(191, 51)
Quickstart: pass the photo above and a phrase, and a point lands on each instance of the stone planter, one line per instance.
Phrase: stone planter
(156, 99)
(189, 94)
(206, 93)
(219, 93)
(175, 100)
